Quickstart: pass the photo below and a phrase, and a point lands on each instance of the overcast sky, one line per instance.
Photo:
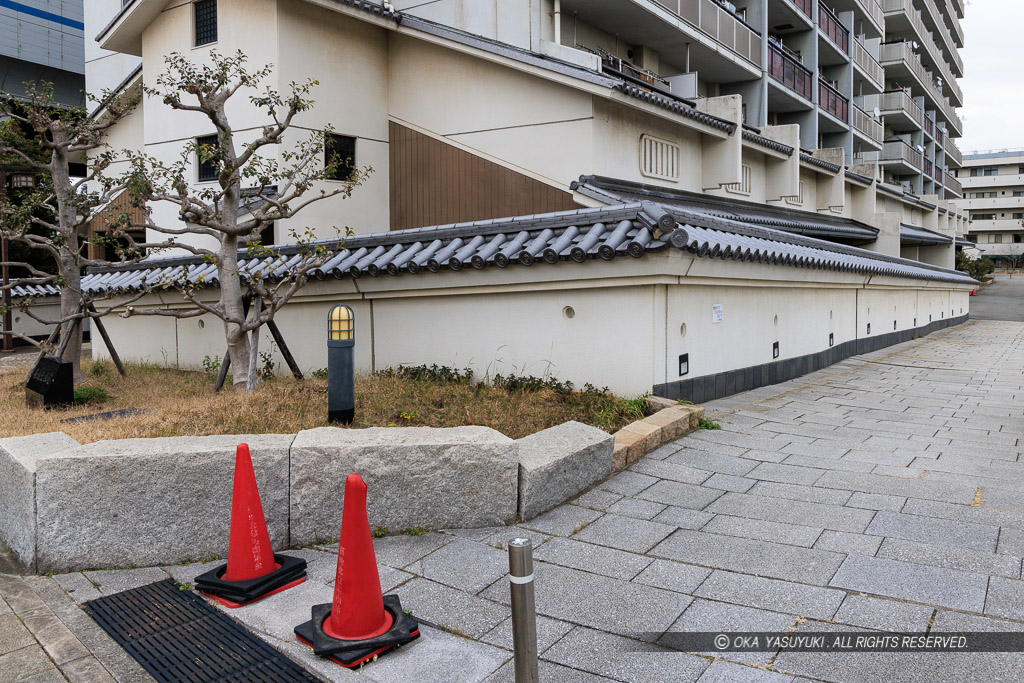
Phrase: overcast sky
(993, 81)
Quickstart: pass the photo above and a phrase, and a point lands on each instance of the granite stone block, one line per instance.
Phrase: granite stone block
(558, 463)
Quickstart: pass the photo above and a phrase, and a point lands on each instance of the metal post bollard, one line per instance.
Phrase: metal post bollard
(524, 612)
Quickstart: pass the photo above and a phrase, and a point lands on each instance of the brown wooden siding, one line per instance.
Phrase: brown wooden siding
(101, 220)
(433, 183)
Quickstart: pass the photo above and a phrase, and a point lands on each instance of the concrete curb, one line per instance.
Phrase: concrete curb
(671, 422)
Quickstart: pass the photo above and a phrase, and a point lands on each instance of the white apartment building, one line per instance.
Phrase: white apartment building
(647, 164)
(994, 201)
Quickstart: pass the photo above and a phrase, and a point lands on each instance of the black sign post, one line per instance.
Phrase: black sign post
(52, 384)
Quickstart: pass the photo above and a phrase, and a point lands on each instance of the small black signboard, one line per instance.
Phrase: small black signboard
(52, 384)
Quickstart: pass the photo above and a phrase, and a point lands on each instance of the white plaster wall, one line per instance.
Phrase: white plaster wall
(104, 70)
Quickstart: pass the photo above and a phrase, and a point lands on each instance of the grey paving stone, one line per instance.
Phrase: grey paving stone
(842, 542)
(117, 580)
(591, 558)
(1011, 542)
(480, 534)
(59, 643)
(628, 483)
(624, 533)
(55, 676)
(625, 608)
(1002, 500)
(453, 609)
(827, 464)
(792, 512)
(673, 576)
(86, 669)
(321, 567)
(401, 550)
(883, 615)
(22, 663)
(726, 463)
(77, 586)
(873, 483)
(1005, 598)
(966, 513)
(760, 455)
(776, 532)
(546, 671)
(624, 659)
(728, 672)
(501, 538)
(438, 656)
(929, 585)
(803, 565)
(462, 564)
(896, 458)
(937, 555)
(597, 499)
(729, 482)
(13, 634)
(186, 573)
(771, 594)
(807, 494)
(634, 507)
(936, 531)
(564, 520)
(819, 449)
(874, 501)
(662, 452)
(737, 439)
(785, 474)
(704, 616)
(548, 632)
(278, 614)
(680, 494)
(670, 470)
(684, 518)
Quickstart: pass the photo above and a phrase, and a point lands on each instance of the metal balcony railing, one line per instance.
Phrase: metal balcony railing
(804, 6)
(927, 42)
(935, 14)
(832, 101)
(953, 152)
(897, 150)
(868, 64)
(928, 167)
(901, 52)
(900, 100)
(953, 185)
(939, 135)
(937, 172)
(721, 25)
(785, 69)
(929, 127)
(830, 26)
(874, 11)
(867, 125)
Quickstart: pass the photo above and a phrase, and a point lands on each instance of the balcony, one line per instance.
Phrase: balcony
(784, 68)
(869, 66)
(953, 154)
(870, 11)
(829, 24)
(937, 24)
(928, 168)
(804, 6)
(939, 135)
(867, 126)
(902, 17)
(952, 185)
(900, 110)
(901, 157)
(710, 18)
(929, 127)
(905, 66)
(832, 101)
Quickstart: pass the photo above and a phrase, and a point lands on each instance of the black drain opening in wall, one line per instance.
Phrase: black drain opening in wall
(176, 636)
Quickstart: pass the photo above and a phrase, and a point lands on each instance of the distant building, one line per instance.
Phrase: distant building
(994, 200)
(43, 41)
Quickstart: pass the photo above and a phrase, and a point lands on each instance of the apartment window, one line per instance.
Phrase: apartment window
(207, 169)
(1018, 216)
(995, 238)
(340, 149)
(1017, 238)
(989, 170)
(1020, 170)
(1018, 193)
(983, 217)
(205, 12)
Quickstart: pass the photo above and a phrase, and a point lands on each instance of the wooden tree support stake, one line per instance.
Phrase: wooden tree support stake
(106, 340)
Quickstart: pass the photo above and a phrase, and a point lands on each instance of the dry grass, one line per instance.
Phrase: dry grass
(177, 403)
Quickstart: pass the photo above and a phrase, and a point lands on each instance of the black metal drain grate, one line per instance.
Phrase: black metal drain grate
(176, 636)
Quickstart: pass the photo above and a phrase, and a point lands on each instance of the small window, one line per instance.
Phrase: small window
(206, 21)
(267, 235)
(659, 158)
(341, 149)
(1018, 193)
(799, 199)
(995, 238)
(208, 169)
(742, 187)
(1018, 216)
(1017, 238)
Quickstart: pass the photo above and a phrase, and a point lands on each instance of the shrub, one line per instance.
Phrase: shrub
(978, 268)
(99, 368)
(704, 423)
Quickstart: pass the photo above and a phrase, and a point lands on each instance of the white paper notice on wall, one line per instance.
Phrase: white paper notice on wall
(717, 313)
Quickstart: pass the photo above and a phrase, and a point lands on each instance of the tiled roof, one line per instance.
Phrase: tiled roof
(21, 291)
(758, 139)
(584, 235)
(921, 237)
(806, 156)
(835, 228)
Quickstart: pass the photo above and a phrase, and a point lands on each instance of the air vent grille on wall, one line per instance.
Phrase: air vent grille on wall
(742, 187)
(659, 158)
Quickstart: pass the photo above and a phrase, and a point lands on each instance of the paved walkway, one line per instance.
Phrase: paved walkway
(1002, 300)
(881, 493)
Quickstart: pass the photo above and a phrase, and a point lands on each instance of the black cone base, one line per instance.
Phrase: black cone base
(352, 653)
(291, 571)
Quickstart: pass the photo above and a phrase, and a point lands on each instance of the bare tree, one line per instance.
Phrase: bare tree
(53, 215)
(254, 188)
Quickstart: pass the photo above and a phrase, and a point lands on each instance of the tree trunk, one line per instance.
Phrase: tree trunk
(67, 222)
(234, 312)
(70, 305)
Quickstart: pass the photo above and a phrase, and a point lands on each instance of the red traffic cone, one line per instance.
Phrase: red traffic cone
(253, 571)
(360, 623)
(974, 292)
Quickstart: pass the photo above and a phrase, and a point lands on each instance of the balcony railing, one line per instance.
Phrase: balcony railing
(953, 152)
(830, 26)
(928, 43)
(720, 24)
(953, 184)
(935, 14)
(899, 100)
(866, 125)
(787, 70)
(868, 64)
(939, 135)
(937, 172)
(901, 52)
(832, 101)
(929, 127)
(897, 150)
(874, 11)
(804, 6)
(928, 168)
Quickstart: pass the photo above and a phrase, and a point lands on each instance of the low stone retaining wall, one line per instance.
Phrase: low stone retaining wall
(66, 506)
